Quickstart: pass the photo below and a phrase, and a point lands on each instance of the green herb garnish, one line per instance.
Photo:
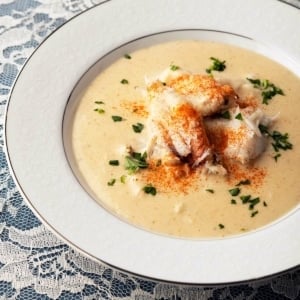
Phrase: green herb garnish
(265, 204)
(210, 191)
(149, 189)
(263, 129)
(225, 115)
(117, 118)
(174, 68)
(233, 201)
(276, 156)
(136, 161)
(138, 127)
(254, 213)
(267, 88)
(99, 110)
(99, 102)
(123, 178)
(244, 182)
(124, 81)
(280, 141)
(111, 182)
(253, 202)
(245, 199)
(239, 117)
(221, 226)
(234, 192)
(127, 56)
(114, 162)
(217, 65)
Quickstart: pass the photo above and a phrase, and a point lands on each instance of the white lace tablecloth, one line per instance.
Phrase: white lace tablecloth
(34, 263)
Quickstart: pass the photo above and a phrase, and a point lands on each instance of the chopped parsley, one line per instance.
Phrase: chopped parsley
(253, 202)
(239, 117)
(174, 68)
(234, 192)
(150, 189)
(210, 191)
(136, 161)
(217, 65)
(276, 156)
(233, 201)
(225, 115)
(111, 182)
(99, 110)
(117, 118)
(221, 226)
(123, 178)
(245, 199)
(267, 88)
(280, 141)
(138, 127)
(127, 56)
(244, 182)
(99, 102)
(265, 204)
(254, 213)
(114, 162)
(124, 81)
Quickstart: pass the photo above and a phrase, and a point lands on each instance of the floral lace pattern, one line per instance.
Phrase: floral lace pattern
(34, 263)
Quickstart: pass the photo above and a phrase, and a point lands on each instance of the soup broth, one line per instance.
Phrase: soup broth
(111, 125)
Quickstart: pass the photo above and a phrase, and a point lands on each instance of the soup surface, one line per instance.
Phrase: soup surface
(191, 139)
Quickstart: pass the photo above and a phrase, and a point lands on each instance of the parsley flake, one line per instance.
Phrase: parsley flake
(245, 199)
(123, 178)
(234, 192)
(210, 191)
(136, 161)
(280, 140)
(114, 162)
(138, 127)
(276, 156)
(111, 182)
(117, 118)
(225, 115)
(267, 88)
(99, 111)
(244, 182)
(239, 117)
(217, 65)
(150, 189)
(174, 68)
(253, 202)
(124, 81)
(127, 56)
(221, 226)
(99, 102)
(254, 213)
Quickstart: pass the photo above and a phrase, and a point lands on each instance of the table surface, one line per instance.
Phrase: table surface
(36, 264)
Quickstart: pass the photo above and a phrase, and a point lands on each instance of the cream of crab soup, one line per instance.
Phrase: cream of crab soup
(191, 139)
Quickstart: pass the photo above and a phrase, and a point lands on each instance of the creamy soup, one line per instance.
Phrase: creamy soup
(132, 124)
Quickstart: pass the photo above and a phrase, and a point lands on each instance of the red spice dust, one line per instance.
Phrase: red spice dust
(180, 178)
(136, 107)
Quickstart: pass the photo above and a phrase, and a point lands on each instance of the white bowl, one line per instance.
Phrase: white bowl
(38, 109)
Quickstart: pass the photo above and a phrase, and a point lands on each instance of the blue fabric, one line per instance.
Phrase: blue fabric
(35, 264)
